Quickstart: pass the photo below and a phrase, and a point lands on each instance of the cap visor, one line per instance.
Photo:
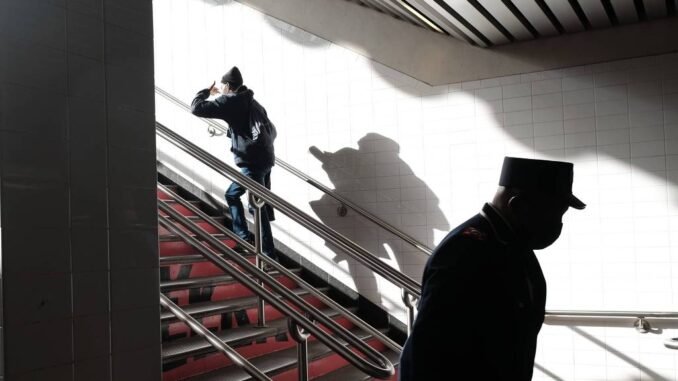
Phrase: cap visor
(576, 203)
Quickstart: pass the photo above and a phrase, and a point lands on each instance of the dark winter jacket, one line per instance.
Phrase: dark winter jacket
(234, 109)
(481, 308)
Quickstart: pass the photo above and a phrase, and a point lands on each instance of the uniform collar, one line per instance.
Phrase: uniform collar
(501, 227)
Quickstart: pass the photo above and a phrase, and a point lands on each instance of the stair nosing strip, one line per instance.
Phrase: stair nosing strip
(167, 260)
(175, 238)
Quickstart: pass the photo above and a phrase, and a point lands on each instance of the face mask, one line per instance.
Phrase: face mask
(545, 234)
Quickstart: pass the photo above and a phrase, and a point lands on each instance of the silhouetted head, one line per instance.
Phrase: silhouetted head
(231, 81)
(374, 142)
(533, 196)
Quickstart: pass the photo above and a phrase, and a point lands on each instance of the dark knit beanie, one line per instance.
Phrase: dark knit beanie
(233, 77)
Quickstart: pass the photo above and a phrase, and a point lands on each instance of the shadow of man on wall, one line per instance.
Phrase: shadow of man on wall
(378, 180)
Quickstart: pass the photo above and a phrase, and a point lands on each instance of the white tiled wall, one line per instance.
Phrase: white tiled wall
(77, 173)
(426, 158)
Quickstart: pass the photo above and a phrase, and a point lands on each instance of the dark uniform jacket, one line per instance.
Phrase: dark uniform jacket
(234, 109)
(481, 308)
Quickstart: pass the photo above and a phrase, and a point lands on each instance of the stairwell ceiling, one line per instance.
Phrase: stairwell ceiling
(495, 22)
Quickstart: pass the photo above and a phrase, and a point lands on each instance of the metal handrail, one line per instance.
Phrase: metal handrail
(328, 234)
(384, 367)
(315, 183)
(213, 339)
(612, 314)
(346, 202)
(642, 320)
(282, 269)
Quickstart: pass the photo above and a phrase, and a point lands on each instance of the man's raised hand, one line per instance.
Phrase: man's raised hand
(213, 89)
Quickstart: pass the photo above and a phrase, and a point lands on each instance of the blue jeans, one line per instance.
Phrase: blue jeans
(233, 193)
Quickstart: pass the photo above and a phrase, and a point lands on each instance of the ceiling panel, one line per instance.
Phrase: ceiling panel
(395, 6)
(439, 20)
(480, 22)
(655, 8)
(566, 15)
(625, 11)
(444, 10)
(595, 13)
(536, 16)
(376, 4)
(502, 14)
(487, 23)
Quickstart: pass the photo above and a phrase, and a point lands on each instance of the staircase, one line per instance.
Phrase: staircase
(229, 310)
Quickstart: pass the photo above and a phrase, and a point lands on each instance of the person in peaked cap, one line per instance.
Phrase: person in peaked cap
(252, 135)
(483, 291)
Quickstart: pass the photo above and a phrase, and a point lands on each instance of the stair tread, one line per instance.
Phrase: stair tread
(211, 308)
(352, 373)
(274, 362)
(169, 285)
(195, 202)
(198, 218)
(174, 237)
(197, 345)
(186, 347)
(192, 258)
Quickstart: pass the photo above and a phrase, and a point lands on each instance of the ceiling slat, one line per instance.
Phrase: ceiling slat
(430, 23)
(655, 8)
(576, 7)
(376, 4)
(507, 19)
(461, 22)
(442, 19)
(640, 9)
(595, 12)
(536, 17)
(625, 10)
(566, 15)
(395, 7)
(521, 17)
(416, 15)
(469, 13)
(490, 17)
(369, 4)
(551, 16)
(611, 13)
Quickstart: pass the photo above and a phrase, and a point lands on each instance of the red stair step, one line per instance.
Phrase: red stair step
(163, 196)
(180, 208)
(179, 247)
(206, 226)
(216, 322)
(203, 268)
(219, 292)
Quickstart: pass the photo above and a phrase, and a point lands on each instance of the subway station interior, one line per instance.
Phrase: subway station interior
(412, 177)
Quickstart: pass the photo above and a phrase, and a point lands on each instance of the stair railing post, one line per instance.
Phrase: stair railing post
(409, 303)
(258, 204)
(301, 337)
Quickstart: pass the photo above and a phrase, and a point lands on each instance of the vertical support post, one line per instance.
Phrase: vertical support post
(301, 337)
(258, 236)
(407, 299)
